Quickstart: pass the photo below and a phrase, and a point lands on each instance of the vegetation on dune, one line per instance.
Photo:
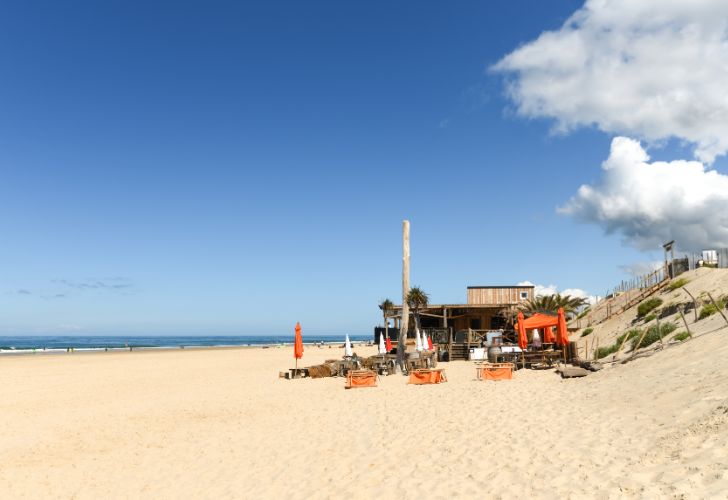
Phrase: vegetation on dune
(606, 351)
(654, 334)
(630, 334)
(707, 310)
(649, 317)
(611, 349)
(677, 283)
(587, 331)
(550, 304)
(680, 336)
(583, 313)
(710, 309)
(648, 305)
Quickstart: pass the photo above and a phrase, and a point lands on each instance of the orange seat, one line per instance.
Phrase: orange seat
(360, 378)
(495, 371)
(427, 376)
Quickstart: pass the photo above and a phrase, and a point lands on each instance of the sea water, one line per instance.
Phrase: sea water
(25, 343)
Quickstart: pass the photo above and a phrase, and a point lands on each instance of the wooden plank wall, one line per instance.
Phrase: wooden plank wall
(497, 296)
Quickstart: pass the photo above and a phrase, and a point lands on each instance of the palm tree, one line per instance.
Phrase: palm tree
(386, 306)
(550, 304)
(417, 299)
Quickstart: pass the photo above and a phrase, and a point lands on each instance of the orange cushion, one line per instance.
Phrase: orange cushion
(496, 373)
(425, 377)
(361, 380)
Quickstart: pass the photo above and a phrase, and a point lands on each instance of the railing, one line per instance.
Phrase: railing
(625, 295)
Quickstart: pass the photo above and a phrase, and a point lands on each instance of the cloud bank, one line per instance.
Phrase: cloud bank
(651, 203)
(649, 68)
(540, 290)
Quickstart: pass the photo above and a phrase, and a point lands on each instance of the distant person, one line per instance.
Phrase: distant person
(536, 340)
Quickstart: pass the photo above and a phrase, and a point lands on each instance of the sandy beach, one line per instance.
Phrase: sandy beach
(220, 423)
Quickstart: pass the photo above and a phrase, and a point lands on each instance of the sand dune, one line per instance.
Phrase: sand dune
(219, 423)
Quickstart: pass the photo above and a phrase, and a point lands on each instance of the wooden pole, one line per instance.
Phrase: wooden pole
(686, 323)
(639, 342)
(401, 342)
(659, 332)
(621, 345)
(716, 306)
(695, 303)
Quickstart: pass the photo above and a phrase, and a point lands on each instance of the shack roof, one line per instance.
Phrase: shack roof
(503, 286)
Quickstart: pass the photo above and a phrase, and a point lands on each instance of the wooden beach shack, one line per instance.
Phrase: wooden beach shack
(455, 328)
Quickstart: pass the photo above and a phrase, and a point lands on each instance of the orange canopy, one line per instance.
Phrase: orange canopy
(546, 322)
(538, 320)
(298, 343)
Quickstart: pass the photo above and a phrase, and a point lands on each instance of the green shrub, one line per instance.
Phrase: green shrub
(707, 310)
(680, 336)
(649, 317)
(654, 334)
(583, 313)
(648, 305)
(677, 283)
(606, 351)
(635, 332)
(587, 332)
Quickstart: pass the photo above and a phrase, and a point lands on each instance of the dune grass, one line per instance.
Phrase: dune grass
(648, 305)
(680, 336)
(654, 334)
(677, 283)
(606, 351)
(630, 334)
(587, 331)
(710, 309)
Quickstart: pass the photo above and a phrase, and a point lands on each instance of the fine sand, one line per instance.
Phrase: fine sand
(219, 424)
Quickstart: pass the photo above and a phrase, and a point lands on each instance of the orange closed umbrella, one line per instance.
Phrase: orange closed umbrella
(298, 345)
(548, 335)
(522, 339)
(562, 335)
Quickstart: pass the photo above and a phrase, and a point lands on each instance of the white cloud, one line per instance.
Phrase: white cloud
(648, 68)
(651, 203)
(641, 268)
(540, 290)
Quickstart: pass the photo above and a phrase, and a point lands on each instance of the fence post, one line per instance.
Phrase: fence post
(685, 322)
(718, 308)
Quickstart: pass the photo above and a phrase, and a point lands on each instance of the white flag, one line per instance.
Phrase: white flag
(347, 346)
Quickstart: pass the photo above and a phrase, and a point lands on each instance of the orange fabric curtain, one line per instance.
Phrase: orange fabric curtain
(522, 339)
(562, 334)
(548, 335)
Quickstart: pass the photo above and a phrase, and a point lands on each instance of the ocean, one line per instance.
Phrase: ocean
(25, 343)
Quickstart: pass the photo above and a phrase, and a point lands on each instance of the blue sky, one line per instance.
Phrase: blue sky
(232, 168)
